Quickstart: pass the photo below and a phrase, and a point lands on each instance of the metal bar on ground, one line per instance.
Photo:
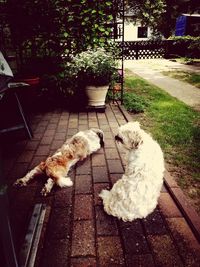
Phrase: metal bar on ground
(26, 247)
(36, 241)
(20, 126)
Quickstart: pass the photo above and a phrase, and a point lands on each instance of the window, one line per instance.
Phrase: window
(142, 32)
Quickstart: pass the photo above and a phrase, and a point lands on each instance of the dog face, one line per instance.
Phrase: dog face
(130, 135)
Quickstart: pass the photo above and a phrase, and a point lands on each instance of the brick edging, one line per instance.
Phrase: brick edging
(182, 202)
(177, 194)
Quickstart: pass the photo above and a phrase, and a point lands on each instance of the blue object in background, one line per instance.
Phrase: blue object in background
(181, 26)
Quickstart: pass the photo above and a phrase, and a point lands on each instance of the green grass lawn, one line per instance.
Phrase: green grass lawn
(174, 125)
(189, 77)
(188, 61)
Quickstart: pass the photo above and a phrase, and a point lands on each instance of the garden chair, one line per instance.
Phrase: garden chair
(9, 89)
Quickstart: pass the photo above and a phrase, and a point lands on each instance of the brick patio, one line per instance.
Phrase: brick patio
(76, 230)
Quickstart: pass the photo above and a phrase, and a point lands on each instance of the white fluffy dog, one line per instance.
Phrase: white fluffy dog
(57, 166)
(135, 195)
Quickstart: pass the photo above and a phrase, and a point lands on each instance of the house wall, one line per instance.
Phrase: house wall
(131, 32)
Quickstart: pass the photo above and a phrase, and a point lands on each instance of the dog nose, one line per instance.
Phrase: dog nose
(118, 139)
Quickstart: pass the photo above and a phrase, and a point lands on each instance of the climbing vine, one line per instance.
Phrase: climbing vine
(59, 27)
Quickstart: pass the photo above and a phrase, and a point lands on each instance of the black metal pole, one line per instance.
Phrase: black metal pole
(122, 83)
(27, 127)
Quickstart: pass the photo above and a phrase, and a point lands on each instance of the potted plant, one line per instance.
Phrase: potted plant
(95, 70)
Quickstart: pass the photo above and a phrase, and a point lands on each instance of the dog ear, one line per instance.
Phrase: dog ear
(100, 134)
(101, 137)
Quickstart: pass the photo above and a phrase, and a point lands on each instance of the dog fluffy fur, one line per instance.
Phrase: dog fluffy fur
(57, 166)
(136, 194)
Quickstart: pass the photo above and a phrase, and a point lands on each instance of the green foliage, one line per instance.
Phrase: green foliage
(47, 33)
(181, 39)
(146, 11)
(88, 23)
(95, 66)
(188, 60)
(187, 46)
(91, 67)
(58, 28)
(134, 103)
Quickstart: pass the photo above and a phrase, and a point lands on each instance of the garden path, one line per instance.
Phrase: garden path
(151, 70)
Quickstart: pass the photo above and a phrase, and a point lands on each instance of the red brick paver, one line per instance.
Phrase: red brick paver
(77, 231)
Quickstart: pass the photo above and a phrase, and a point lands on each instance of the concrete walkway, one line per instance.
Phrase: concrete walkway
(77, 231)
(150, 69)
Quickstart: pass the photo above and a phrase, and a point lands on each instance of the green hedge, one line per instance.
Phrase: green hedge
(184, 46)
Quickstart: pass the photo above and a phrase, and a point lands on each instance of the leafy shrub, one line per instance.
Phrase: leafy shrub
(185, 46)
(95, 66)
(57, 28)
